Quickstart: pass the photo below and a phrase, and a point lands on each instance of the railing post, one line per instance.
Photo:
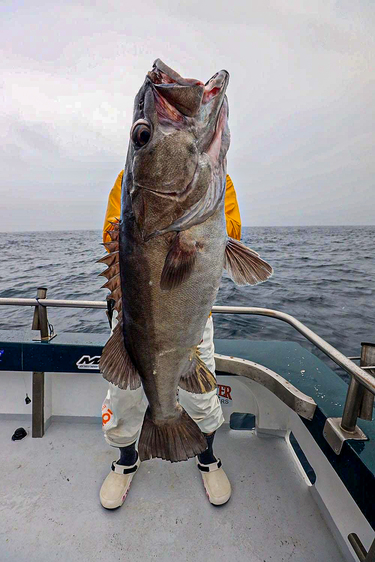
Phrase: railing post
(40, 322)
(367, 359)
(338, 430)
(359, 401)
(37, 426)
(352, 406)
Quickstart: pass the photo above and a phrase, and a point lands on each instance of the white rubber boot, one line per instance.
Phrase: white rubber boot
(215, 482)
(116, 485)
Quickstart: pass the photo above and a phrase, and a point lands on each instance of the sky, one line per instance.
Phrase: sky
(301, 98)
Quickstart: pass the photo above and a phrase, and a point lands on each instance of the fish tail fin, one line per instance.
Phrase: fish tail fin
(174, 440)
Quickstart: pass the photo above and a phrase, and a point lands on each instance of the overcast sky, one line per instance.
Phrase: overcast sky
(301, 98)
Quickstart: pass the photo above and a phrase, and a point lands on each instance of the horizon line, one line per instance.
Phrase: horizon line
(242, 226)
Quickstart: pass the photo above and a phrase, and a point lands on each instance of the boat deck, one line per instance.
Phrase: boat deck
(50, 508)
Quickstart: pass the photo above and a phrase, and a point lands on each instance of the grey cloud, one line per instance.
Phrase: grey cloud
(301, 103)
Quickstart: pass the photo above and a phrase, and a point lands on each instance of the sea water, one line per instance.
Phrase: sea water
(324, 276)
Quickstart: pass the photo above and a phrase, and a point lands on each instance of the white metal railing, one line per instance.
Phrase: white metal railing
(360, 379)
(339, 358)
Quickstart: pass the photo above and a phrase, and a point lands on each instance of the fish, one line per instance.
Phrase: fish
(167, 253)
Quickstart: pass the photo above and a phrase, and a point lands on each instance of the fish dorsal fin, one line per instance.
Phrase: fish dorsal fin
(245, 266)
(111, 271)
(111, 259)
(115, 363)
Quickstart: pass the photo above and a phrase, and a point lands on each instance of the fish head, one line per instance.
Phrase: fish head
(178, 142)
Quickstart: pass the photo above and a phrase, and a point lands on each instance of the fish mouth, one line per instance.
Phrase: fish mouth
(186, 94)
(180, 195)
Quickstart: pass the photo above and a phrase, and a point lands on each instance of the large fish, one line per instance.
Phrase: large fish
(168, 252)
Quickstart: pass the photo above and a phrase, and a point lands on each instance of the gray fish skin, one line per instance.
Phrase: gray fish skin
(162, 328)
(163, 181)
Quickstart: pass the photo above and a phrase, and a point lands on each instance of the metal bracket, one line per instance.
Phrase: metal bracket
(359, 549)
(335, 435)
(296, 400)
(40, 320)
(38, 338)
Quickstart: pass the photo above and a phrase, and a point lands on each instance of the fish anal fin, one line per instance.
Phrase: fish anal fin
(199, 378)
(176, 439)
(115, 363)
(245, 266)
(179, 261)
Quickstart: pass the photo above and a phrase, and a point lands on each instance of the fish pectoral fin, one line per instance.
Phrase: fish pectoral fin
(175, 439)
(245, 266)
(199, 378)
(115, 363)
(180, 261)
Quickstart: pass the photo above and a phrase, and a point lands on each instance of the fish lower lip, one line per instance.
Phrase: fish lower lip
(162, 193)
(170, 193)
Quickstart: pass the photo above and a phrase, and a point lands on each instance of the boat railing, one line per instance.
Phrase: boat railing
(360, 396)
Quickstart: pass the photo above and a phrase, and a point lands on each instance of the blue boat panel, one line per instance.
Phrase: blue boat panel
(356, 463)
(71, 352)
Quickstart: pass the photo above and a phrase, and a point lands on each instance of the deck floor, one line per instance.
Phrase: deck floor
(50, 508)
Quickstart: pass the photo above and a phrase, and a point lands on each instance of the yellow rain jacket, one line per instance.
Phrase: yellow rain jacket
(232, 212)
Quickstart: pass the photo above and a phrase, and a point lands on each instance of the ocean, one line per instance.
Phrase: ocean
(324, 276)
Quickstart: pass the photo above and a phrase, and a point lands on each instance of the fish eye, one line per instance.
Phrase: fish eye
(140, 133)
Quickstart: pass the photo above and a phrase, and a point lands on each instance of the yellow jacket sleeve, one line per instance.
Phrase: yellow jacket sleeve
(113, 207)
(232, 211)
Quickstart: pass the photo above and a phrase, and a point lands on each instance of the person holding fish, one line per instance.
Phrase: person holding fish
(180, 225)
